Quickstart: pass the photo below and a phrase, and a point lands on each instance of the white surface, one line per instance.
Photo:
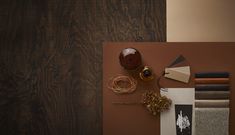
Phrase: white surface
(178, 96)
(200, 20)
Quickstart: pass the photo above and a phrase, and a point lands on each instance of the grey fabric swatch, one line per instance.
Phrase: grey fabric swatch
(211, 121)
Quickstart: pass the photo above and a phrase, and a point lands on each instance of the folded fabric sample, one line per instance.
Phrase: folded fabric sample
(211, 121)
(211, 80)
(212, 75)
(212, 103)
(212, 94)
(211, 87)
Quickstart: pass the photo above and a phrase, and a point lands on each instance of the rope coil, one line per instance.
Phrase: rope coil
(122, 84)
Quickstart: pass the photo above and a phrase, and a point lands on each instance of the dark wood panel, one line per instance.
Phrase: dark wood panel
(51, 59)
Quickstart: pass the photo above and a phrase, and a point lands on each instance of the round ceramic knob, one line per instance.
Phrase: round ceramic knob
(130, 58)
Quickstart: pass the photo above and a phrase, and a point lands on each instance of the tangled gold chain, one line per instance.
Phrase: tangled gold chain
(155, 103)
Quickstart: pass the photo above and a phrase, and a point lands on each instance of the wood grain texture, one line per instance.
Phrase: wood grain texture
(51, 60)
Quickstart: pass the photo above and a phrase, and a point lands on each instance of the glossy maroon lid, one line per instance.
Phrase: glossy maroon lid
(130, 58)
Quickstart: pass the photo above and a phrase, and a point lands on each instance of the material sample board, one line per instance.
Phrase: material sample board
(135, 119)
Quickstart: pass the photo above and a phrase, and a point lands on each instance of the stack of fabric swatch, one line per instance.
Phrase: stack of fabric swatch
(212, 103)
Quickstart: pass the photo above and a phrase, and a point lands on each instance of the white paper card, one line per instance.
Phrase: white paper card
(168, 121)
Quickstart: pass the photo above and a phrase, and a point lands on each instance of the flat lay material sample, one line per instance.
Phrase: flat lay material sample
(212, 87)
(212, 121)
(211, 103)
(212, 75)
(135, 119)
(212, 94)
(211, 80)
(182, 100)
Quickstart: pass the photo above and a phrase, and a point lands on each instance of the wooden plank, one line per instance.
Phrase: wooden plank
(51, 60)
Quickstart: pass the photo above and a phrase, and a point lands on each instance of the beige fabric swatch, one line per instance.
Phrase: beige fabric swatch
(212, 103)
(200, 20)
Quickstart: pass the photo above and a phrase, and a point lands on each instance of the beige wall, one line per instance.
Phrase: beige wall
(200, 20)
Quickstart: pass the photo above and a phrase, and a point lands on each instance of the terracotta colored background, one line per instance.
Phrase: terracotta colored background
(134, 119)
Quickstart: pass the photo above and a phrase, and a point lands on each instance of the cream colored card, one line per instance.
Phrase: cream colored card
(179, 96)
(200, 20)
(181, 74)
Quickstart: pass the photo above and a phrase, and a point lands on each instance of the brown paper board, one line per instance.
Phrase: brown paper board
(134, 119)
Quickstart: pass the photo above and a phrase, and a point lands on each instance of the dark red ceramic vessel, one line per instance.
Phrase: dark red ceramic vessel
(130, 58)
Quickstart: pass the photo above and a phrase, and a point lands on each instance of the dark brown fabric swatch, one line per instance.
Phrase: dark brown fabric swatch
(211, 87)
(212, 94)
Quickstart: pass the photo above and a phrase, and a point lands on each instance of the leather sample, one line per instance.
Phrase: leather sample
(211, 121)
(211, 80)
(212, 75)
(212, 94)
(211, 87)
(212, 103)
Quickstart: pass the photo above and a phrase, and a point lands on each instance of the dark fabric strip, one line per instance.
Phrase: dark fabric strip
(211, 80)
(212, 75)
(211, 87)
(211, 103)
(211, 121)
(212, 94)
